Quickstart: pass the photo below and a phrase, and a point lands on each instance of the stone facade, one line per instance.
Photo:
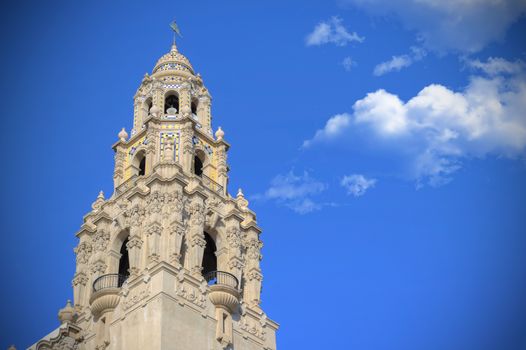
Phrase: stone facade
(170, 260)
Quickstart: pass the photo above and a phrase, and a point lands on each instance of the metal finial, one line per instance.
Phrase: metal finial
(176, 30)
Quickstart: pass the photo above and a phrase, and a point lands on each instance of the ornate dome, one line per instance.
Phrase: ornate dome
(173, 61)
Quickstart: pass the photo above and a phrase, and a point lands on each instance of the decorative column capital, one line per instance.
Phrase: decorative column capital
(133, 242)
(80, 279)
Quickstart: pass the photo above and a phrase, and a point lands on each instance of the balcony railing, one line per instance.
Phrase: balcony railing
(113, 280)
(211, 184)
(221, 278)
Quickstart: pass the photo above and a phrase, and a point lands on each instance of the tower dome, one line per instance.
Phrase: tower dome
(173, 62)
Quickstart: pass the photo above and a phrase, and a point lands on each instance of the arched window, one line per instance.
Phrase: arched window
(149, 104)
(198, 165)
(194, 107)
(171, 104)
(142, 166)
(124, 263)
(139, 163)
(146, 106)
(209, 256)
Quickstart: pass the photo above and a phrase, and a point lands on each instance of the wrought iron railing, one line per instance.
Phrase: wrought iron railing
(221, 278)
(112, 280)
(211, 184)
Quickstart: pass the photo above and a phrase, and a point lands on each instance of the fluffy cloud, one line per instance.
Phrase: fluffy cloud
(295, 192)
(357, 184)
(396, 63)
(333, 32)
(348, 63)
(334, 127)
(450, 25)
(439, 127)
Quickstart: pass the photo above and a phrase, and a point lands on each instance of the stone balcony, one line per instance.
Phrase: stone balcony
(106, 293)
(224, 289)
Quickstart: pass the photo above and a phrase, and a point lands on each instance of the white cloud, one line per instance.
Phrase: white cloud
(295, 192)
(357, 184)
(439, 127)
(332, 129)
(496, 65)
(333, 32)
(464, 26)
(348, 63)
(396, 63)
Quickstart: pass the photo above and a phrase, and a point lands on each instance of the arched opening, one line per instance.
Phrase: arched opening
(146, 106)
(139, 163)
(171, 104)
(194, 107)
(124, 263)
(198, 165)
(142, 166)
(209, 256)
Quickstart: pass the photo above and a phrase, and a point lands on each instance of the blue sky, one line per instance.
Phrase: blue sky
(381, 143)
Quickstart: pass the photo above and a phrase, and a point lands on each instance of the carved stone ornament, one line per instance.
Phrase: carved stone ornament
(136, 297)
(98, 202)
(80, 279)
(134, 241)
(83, 252)
(252, 327)
(154, 229)
(135, 215)
(176, 229)
(235, 263)
(233, 237)
(196, 211)
(98, 267)
(199, 241)
(174, 203)
(68, 338)
(192, 294)
(155, 202)
(255, 275)
(100, 240)
(253, 247)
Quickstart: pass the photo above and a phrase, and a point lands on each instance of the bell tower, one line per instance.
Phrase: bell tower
(170, 260)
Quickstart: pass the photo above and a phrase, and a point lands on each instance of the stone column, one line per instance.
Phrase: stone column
(233, 236)
(143, 113)
(134, 253)
(185, 99)
(172, 217)
(158, 97)
(135, 217)
(203, 111)
(154, 239)
(222, 168)
(79, 289)
(118, 173)
(253, 276)
(195, 237)
(137, 123)
(150, 150)
(175, 240)
(187, 149)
